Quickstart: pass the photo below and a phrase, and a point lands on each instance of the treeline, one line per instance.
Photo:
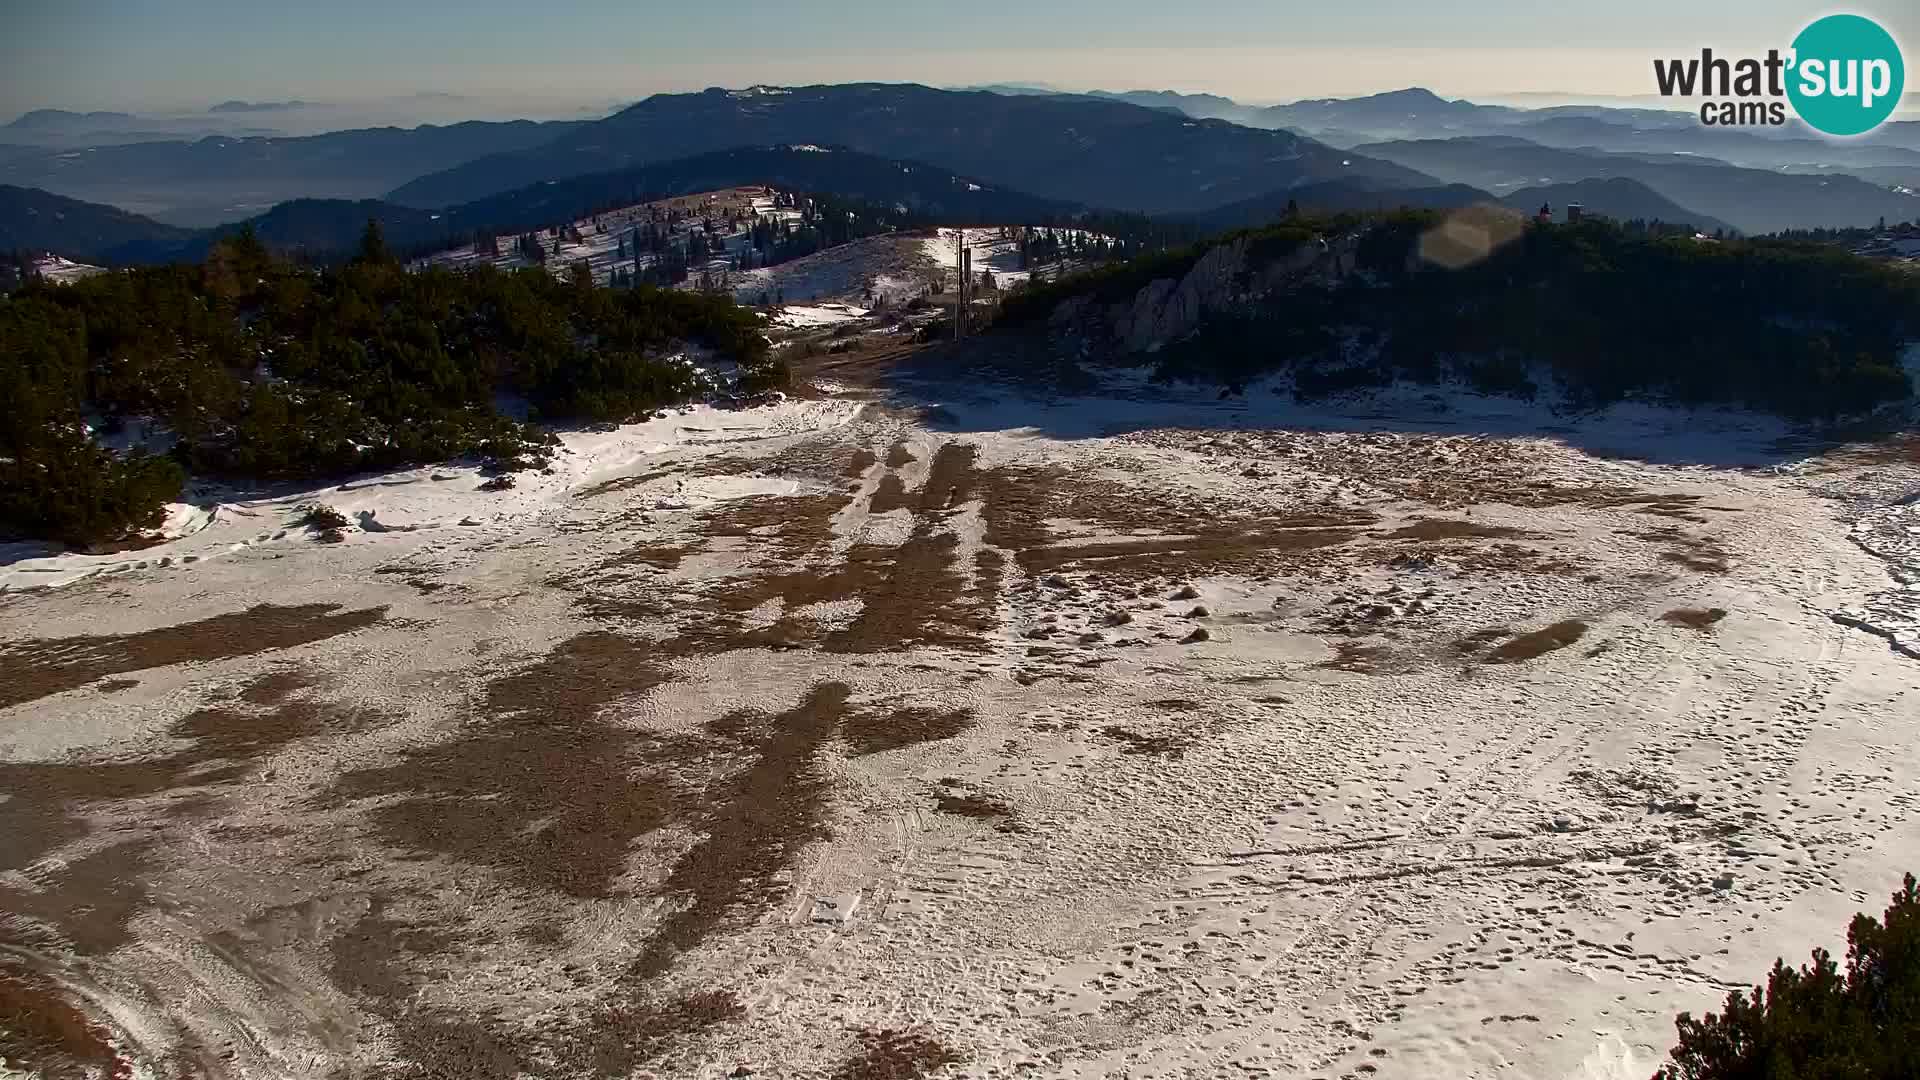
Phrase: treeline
(1105, 236)
(1611, 312)
(265, 371)
(1126, 274)
(1885, 230)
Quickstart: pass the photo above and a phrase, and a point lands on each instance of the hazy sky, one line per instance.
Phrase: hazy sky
(547, 54)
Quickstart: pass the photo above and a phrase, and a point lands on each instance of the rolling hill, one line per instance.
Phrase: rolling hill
(1335, 196)
(1076, 149)
(1619, 197)
(1751, 200)
(923, 189)
(33, 220)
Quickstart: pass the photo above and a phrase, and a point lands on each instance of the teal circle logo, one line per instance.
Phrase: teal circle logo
(1846, 76)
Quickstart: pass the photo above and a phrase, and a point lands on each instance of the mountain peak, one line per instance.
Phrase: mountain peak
(1125, 156)
(46, 117)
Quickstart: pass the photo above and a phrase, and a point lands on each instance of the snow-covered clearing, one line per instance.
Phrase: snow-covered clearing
(1142, 734)
(997, 251)
(442, 500)
(61, 271)
(601, 235)
(800, 316)
(888, 270)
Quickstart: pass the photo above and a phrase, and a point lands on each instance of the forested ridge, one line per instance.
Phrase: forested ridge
(265, 371)
(1609, 311)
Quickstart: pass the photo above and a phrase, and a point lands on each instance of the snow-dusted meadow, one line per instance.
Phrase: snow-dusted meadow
(59, 271)
(602, 235)
(1140, 733)
(869, 274)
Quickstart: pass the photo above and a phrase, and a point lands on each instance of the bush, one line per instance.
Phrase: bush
(77, 493)
(320, 516)
(266, 371)
(1817, 1021)
(765, 378)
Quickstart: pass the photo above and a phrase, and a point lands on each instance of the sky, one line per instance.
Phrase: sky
(545, 57)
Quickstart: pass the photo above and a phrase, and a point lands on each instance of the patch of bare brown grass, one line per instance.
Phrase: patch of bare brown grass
(1445, 529)
(1134, 742)
(1702, 619)
(622, 1037)
(912, 594)
(1699, 554)
(752, 833)
(889, 495)
(1350, 655)
(875, 731)
(31, 669)
(88, 902)
(1478, 640)
(1198, 535)
(85, 906)
(543, 789)
(895, 1055)
(436, 1045)
(50, 1037)
(972, 806)
(366, 959)
(1539, 642)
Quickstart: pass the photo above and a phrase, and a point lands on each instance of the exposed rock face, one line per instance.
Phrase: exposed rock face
(1225, 277)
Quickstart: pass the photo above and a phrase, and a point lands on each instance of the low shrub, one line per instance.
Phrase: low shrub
(1820, 1021)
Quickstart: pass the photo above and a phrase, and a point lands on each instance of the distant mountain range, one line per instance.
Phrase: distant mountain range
(1890, 156)
(1198, 106)
(63, 129)
(35, 220)
(218, 179)
(1078, 149)
(49, 119)
(1197, 156)
(1752, 200)
(1619, 198)
(256, 106)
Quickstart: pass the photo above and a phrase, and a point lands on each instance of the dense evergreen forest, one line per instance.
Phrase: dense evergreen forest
(265, 371)
(1612, 311)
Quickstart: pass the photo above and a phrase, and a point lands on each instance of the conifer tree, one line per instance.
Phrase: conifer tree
(373, 246)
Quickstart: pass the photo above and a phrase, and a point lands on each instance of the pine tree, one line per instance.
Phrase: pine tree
(373, 246)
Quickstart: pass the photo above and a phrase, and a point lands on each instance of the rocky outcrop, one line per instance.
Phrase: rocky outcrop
(1224, 278)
